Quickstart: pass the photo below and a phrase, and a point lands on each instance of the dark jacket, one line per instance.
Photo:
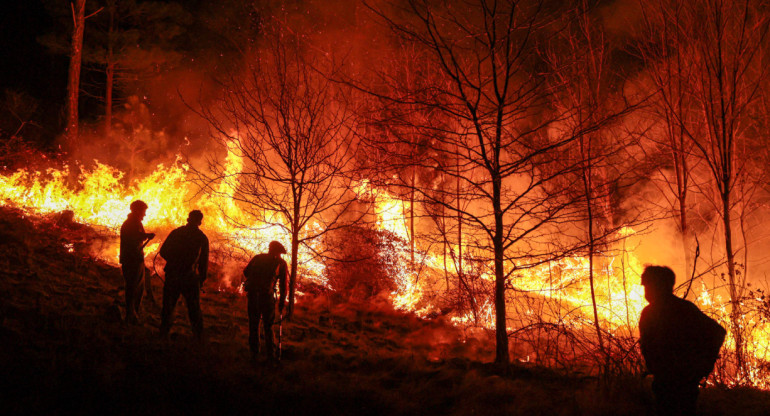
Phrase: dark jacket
(132, 236)
(679, 342)
(263, 272)
(185, 250)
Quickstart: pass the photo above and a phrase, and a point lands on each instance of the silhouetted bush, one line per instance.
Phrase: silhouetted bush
(362, 262)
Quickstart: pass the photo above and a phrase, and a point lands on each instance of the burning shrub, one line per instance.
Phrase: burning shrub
(362, 262)
(469, 297)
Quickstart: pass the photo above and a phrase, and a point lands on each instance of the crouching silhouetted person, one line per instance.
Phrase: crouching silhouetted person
(680, 344)
(262, 274)
(132, 242)
(186, 251)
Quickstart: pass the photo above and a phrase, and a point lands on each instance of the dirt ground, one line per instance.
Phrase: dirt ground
(65, 350)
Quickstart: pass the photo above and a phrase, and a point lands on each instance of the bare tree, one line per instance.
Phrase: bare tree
(581, 60)
(668, 71)
(497, 96)
(76, 56)
(724, 43)
(394, 144)
(290, 126)
(727, 44)
(131, 41)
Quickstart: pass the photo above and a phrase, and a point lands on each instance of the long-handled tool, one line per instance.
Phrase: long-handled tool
(280, 332)
(280, 322)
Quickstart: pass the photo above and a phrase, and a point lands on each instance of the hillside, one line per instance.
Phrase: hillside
(64, 350)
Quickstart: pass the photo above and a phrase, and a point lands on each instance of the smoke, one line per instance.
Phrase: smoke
(620, 18)
(341, 34)
(156, 121)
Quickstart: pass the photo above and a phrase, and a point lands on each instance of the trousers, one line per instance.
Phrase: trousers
(188, 286)
(133, 274)
(261, 307)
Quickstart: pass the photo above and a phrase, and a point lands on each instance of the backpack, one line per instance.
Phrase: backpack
(713, 338)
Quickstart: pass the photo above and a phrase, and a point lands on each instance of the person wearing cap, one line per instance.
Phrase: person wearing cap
(261, 275)
(132, 242)
(186, 251)
(679, 343)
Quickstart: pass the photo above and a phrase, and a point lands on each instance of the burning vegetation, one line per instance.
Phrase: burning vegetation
(508, 168)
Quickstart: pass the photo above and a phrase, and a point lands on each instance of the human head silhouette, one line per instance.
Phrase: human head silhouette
(138, 208)
(195, 217)
(276, 248)
(658, 282)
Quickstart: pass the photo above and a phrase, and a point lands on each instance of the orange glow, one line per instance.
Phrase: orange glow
(101, 199)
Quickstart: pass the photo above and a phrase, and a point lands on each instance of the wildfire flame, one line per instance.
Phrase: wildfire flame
(101, 199)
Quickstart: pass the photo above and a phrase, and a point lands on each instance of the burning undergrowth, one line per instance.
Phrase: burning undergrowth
(548, 305)
(67, 351)
(362, 261)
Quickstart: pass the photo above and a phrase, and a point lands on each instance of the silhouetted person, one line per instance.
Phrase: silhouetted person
(132, 242)
(262, 274)
(680, 344)
(186, 251)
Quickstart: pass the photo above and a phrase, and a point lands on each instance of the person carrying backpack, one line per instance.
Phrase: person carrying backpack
(680, 344)
(261, 276)
(186, 251)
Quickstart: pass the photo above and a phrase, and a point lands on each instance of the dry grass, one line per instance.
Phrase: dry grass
(64, 351)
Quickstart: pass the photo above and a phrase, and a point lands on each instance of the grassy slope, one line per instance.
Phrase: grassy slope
(63, 350)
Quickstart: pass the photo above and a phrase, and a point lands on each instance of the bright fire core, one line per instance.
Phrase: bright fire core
(555, 295)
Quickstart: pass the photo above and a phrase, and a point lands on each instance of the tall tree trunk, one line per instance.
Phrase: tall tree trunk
(411, 218)
(295, 229)
(73, 84)
(501, 330)
(293, 273)
(459, 223)
(444, 249)
(682, 180)
(460, 272)
(587, 187)
(684, 236)
(108, 100)
(110, 72)
(735, 314)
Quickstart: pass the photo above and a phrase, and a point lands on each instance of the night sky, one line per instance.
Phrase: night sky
(26, 65)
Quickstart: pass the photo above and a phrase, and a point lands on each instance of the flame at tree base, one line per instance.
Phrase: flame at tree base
(549, 306)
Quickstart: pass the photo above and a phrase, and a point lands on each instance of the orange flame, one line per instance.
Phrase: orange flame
(101, 199)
